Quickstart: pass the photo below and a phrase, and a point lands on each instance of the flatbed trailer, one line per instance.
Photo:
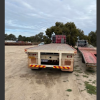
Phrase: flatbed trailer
(89, 56)
(59, 56)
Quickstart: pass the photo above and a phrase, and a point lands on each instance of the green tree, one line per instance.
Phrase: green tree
(20, 38)
(40, 36)
(80, 34)
(10, 37)
(69, 29)
(6, 36)
(32, 38)
(92, 36)
(46, 39)
(24, 38)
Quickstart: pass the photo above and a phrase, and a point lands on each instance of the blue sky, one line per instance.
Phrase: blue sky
(29, 17)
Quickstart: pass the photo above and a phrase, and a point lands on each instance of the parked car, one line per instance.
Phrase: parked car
(42, 43)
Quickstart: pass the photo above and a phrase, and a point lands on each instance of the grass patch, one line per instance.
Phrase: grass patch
(76, 61)
(83, 90)
(69, 90)
(90, 70)
(67, 95)
(66, 81)
(85, 76)
(77, 66)
(78, 71)
(79, 83)
(90, 88)
(78, 57)
(90, 80)
(78, 79)
(76, 74)
(86, 73)
(94, 82)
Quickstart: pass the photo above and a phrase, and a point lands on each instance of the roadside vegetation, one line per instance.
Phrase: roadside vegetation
(69, 29)
(69, 90)
(85, 76)
(90, 88)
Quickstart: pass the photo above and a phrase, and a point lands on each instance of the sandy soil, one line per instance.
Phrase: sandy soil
(21, 83)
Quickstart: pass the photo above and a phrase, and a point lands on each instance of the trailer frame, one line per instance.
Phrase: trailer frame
(88, 55)
(65, 56)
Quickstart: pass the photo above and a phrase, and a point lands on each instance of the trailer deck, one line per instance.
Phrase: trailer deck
(53, 47)
(89, 56)
(60, 56)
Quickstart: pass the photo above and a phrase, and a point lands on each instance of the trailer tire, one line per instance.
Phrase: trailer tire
(36, 69)
(70, 71)
(83, 60)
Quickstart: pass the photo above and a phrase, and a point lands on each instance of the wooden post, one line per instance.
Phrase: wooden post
(39, 58)
(60, 56)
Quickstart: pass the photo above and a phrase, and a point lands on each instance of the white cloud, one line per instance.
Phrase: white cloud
(36, 16)
(27, 5)
(43, 29)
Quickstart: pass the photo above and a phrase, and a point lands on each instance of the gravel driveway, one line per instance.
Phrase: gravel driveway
(21, 83)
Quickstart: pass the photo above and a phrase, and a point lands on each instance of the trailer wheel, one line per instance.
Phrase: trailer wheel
(83, 60)
(36, 69)
(70, 71)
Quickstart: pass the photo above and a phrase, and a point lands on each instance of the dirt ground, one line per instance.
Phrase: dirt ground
(21, 83)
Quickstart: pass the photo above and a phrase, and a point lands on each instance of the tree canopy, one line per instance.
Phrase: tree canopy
(92, 38)
(10, 37)
(69, 29)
